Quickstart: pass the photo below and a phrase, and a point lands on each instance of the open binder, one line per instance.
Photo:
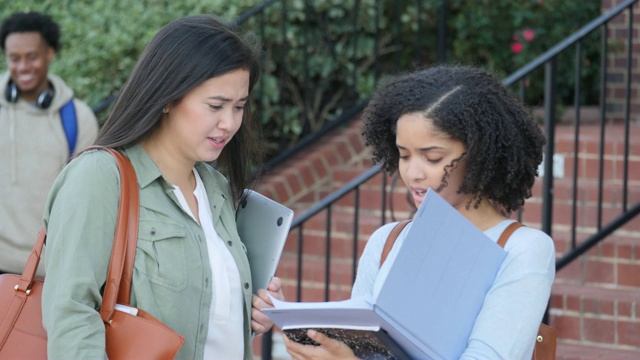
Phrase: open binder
(431, 297)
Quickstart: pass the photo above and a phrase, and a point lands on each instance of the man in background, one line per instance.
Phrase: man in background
(41, 126)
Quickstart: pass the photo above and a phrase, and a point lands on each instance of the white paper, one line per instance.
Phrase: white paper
(347, 314)
(128, 309)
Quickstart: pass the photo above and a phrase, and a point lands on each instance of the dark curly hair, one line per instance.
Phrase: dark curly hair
(31, 21)
(503, 142)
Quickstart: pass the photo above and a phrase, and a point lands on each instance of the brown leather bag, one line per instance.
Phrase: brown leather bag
(22, 335)
(545, 348)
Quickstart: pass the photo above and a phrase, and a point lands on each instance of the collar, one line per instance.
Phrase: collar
(147, 171)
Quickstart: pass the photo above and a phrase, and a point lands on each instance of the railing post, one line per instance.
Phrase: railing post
(550, 78)
(267, 345)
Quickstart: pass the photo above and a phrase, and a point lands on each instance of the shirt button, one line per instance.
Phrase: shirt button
(206, 282)
(229, 243)
(153, 231)
(246, 285)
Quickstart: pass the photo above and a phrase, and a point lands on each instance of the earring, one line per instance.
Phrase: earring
(165, 110)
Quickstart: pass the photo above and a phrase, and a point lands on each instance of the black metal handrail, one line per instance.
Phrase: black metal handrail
(548, 59)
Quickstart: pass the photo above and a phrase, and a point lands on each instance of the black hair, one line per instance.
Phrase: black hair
(31, 21)
(503, 142)
(180, 57)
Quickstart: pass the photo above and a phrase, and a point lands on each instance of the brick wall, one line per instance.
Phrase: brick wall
(617, 62)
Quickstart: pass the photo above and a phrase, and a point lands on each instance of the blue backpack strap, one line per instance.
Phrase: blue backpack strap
(70, 125)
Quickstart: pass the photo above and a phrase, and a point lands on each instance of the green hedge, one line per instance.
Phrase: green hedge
(101, 39)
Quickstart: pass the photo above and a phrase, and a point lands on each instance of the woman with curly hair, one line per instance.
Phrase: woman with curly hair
(459, 131)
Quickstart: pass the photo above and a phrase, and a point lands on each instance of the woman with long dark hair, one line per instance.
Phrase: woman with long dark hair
(184, 107)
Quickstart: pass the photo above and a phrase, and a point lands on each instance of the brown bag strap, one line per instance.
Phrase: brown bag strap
(126, 235)
(118, 285)
(29, 272)
(391, 239)
(546, 343)
(502, 241)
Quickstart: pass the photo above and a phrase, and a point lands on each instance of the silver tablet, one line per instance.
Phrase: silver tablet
(263, 226)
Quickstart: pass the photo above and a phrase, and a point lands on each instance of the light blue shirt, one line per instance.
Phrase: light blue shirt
(508, 322)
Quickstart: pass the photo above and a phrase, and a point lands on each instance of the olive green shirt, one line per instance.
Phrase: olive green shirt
(172, 277)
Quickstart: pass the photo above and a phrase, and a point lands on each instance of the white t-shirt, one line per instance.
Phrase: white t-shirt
(225, 336)
(508, 322)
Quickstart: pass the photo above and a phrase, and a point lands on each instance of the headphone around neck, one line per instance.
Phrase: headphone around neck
(45, 98)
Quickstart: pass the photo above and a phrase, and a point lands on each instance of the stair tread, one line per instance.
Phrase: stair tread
(568, 351)
(600, 293)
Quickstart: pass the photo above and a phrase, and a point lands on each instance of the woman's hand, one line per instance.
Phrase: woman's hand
(328, 348)
(260, 323)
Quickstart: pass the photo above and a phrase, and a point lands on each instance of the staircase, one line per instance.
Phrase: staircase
(595, 303)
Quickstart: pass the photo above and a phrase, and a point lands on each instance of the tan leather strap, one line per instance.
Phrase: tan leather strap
(29, 272)
(391, 239)
(118, 284)
(546, 343)
(12, 314)
(502, 241)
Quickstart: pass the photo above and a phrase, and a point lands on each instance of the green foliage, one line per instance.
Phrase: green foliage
(102, 39)
(320, 59)
(483, 32)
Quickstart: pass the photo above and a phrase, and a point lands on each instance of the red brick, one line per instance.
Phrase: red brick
(568, 326)
(329, 156)
(607, 307)
(598, 271)
(294, 182)
(607, 249)
(629, 275)
(319, 168)
(345, 151)
(572, 272)
(625, 309)
(599, 330)
(629, 333)
(591, 306)
(573, 303)
(556, 301)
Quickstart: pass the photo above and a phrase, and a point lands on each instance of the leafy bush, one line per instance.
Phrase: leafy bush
(505, 35)
(102, 39)
(319, 58)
